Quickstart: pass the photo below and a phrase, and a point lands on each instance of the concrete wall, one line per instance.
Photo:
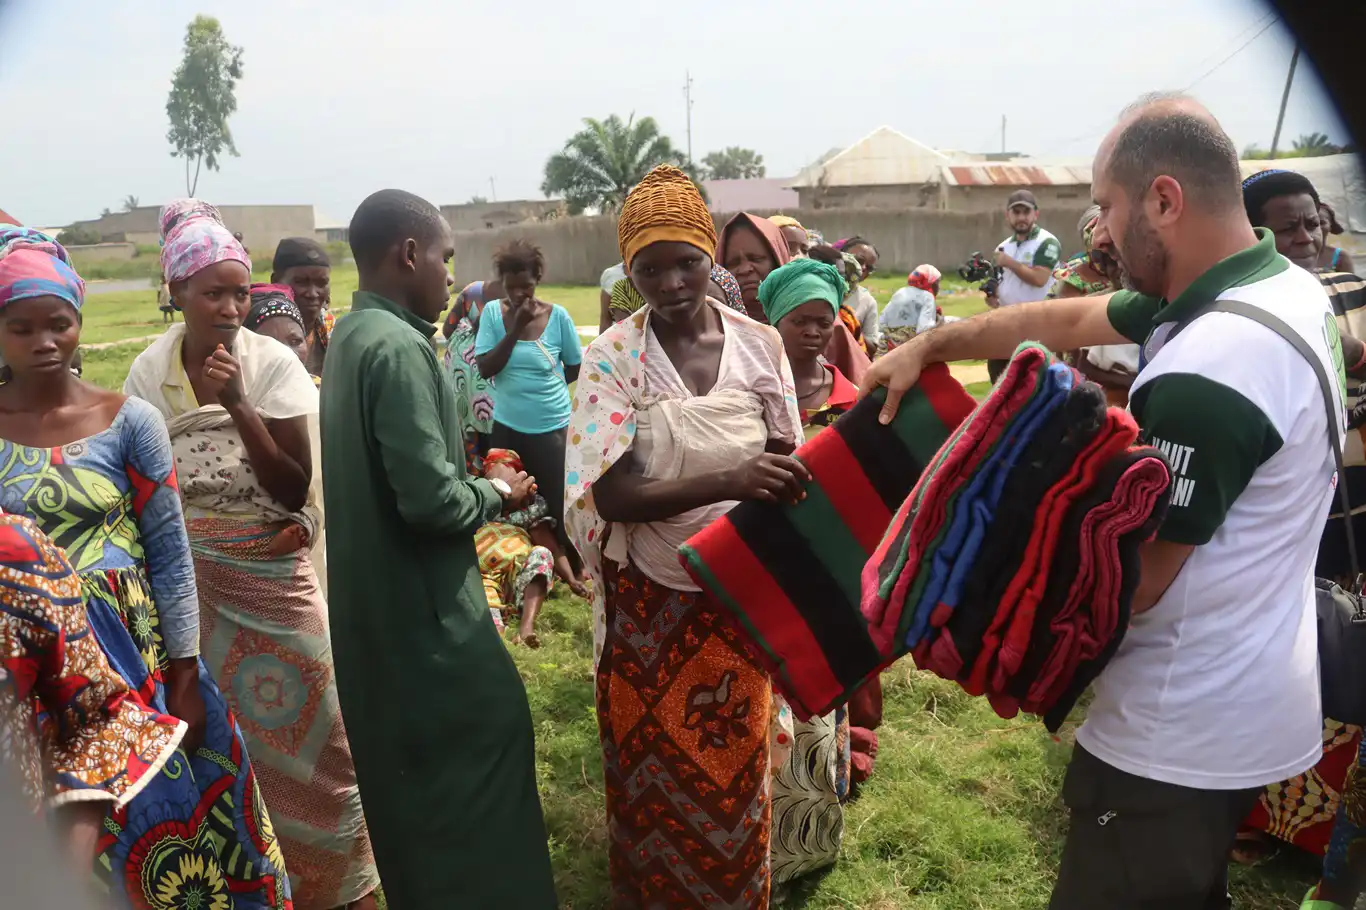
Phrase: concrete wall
(993, 198)
(578, 249)
(102, 252)
(937, 196)
(903, 196)
(477, 216)
(262, 226)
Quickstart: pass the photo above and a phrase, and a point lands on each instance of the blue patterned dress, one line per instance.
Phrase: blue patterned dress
(197, 836)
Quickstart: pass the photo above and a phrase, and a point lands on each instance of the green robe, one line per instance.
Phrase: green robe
(435, 710)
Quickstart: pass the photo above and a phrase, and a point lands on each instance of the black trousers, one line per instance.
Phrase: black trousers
(1140, 844)
(995, 368)
(543, 458)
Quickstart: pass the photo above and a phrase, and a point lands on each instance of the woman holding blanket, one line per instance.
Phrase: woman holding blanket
(94, 470)
(680, 411)
(238, 407)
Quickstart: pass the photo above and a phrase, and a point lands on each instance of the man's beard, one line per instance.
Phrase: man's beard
(1143, 261)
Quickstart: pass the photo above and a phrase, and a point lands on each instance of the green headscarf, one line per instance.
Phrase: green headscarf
(801, 281)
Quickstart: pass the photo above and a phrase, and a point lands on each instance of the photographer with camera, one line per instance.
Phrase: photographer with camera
(1025, 262)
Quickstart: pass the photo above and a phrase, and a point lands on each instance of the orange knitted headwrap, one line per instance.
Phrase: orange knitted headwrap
(664, 206)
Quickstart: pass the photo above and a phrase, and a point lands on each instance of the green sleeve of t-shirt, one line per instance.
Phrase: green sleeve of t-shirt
(1131, 314)
(1214, 439)
(1049, 253)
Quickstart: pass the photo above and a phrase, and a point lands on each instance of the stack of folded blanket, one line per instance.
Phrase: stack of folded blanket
(1011, 566)
(997, 543)
(790, 574)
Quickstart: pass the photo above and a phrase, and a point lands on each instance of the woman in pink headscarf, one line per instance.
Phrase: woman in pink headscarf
(242, 411)
(749, 248)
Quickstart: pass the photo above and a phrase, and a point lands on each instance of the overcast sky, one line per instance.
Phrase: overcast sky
(343, 98)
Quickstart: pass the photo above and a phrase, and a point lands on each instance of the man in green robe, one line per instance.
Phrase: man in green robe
(435, 711)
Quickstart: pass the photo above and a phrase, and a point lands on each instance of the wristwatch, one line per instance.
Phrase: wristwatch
(501, 486)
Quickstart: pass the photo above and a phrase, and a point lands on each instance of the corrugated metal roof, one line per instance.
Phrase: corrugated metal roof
(1015, 174)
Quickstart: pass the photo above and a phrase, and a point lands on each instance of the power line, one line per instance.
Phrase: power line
(1265, 22)
(1242, 47)
(1217, 52)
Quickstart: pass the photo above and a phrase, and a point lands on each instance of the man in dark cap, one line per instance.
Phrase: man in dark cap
(302, 265)
(438, 719)
(1026, 260)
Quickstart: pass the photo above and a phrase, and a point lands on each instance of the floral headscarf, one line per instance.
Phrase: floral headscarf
(32, 264)
(194, 237)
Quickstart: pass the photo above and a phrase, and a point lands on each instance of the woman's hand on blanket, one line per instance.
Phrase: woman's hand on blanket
(184, 701)
(899, 370)
(223, 376)
(769, 478)
(292, 538)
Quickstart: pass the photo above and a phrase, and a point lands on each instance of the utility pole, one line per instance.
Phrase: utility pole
(1285, 99)
(1003, 134)
(493, 191)
(687, 97)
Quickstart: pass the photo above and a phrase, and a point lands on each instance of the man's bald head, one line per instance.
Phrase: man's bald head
(1173, 135)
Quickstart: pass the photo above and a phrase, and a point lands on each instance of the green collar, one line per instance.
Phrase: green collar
(1033, 234)
(1256, 263)
(368, 300)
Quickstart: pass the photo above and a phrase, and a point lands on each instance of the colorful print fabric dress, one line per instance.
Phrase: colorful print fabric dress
(198, 835)
(473, 393)
(68, 722)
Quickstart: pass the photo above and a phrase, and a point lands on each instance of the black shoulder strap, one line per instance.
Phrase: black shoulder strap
(1326, 387)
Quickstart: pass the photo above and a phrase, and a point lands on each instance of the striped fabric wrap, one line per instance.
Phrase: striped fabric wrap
(790, 575)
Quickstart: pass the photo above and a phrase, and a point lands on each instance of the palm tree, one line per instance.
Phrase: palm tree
(130, 202)
(599, 164)
(1314, 145)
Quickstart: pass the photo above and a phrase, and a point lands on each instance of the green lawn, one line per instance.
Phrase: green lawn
(962, 813)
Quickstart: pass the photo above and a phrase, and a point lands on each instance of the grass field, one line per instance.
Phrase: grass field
(962, 813)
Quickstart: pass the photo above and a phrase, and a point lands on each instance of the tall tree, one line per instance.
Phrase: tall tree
(130, 202)
(1315, 145)
(599, 164)
(203, 97)
(734, 163)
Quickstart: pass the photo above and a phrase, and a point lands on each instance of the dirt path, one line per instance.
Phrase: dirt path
(111, 344)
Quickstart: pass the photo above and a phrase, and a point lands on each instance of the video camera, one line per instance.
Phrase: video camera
(981, 269)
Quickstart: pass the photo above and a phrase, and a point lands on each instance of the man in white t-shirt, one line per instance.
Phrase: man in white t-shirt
(1214, 693)
(1026, 259)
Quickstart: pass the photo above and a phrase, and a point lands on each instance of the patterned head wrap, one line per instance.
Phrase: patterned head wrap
(727, 283)
(801, 281)
(924, 277)
(32, 264)
(193, 237)
(269, 301)
(783, 221)
(625, 298)
(666, 205)
(508, 457)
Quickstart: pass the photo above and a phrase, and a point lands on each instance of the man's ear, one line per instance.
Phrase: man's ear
(1168, 198)
(407, 255)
